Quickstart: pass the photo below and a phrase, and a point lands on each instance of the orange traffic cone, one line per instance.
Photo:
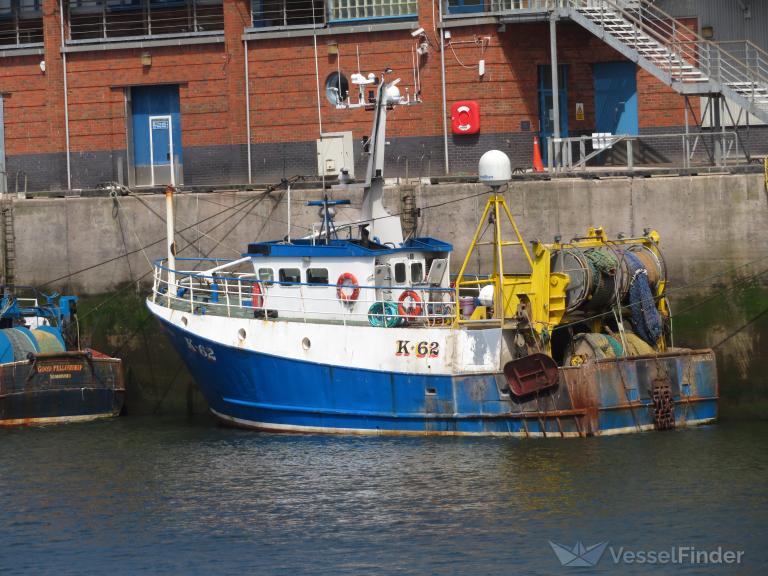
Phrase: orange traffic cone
(538, 165)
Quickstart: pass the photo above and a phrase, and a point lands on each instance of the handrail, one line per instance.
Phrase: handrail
(236, 295)
(712, 60)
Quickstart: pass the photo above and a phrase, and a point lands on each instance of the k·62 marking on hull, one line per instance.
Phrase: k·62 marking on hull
(418, 349)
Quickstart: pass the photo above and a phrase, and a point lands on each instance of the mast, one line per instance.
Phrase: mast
(170, 240)
(382, 226)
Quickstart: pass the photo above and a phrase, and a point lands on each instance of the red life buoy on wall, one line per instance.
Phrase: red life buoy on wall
(347, 281)
(411, 311)
(465, 117)
(257, 297)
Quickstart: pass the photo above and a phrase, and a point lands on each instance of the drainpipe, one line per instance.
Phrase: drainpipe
(66, 98)
(248, 111)
(442, 71)
(555, 90)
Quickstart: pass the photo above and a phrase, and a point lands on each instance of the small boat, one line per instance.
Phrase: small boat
(45, 376)
(358, 330)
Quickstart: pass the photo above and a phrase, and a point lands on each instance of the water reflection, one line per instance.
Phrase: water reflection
(139, 494)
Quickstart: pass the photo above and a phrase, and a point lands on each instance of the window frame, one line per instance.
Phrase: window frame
(314, 284)
(288, 283)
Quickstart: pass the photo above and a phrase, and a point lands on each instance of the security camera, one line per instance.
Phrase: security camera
(418, 32)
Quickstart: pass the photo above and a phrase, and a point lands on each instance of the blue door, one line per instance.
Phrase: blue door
(616, 98)
(546, 105)
(156, 134)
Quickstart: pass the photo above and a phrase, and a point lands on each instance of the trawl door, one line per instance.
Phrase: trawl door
(156, 135)
(161, 150)
(616, 98)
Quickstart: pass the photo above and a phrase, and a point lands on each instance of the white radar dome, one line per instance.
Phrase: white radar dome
(392, 95)
(495, 168)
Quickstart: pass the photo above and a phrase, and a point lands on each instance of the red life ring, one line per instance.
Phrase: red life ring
(411, 311)
(257, 298)
(347, 280)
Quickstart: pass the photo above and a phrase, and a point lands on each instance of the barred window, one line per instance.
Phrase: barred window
(341, 10)
(282, 13)
(96, 19)
(21, 22)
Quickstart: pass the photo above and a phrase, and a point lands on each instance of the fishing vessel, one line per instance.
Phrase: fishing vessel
(45, 376)
(357, 329)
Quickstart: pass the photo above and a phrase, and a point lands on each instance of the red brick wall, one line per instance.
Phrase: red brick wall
(283, 101)
(27, 128)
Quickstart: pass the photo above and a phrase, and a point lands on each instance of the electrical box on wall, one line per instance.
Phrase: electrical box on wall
(465, 117)
(334, 153)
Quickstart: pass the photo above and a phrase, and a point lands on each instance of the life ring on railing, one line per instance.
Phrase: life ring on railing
(347, 280)
(257, 296)
(412, 311)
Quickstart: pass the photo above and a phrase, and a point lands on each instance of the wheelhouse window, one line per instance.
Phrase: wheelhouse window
(290, 275)
(400, 273)
(21, 22)
(417, 272)
(267, 275)
(283, 13)
(346, 10)
(99, 19)
(317, 276)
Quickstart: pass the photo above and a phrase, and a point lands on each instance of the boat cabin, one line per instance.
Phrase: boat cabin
(339, 279)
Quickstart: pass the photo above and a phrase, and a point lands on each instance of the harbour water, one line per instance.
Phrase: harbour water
(181, 496)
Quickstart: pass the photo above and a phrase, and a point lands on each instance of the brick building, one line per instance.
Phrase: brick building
(231, 90)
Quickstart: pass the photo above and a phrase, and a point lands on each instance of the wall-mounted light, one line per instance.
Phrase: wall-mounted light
(146, 59)
(42, 66)
(708, 32)
(333, 47)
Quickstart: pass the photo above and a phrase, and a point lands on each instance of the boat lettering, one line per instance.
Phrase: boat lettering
(204, 351)
(418, 349)
(46, 368)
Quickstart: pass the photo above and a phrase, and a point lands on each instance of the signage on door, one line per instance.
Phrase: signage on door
(579, 110)
(159, 124)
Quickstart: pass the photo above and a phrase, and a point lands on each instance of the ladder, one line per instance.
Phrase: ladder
(9, 245)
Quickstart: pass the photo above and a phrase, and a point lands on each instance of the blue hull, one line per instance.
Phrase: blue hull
(257, 390)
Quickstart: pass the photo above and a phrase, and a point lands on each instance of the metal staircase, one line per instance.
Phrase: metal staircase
(675, 53)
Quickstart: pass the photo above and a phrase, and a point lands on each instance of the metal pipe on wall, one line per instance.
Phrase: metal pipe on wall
(248, 112)
(442, 76)
(555, 89)
(66, 98)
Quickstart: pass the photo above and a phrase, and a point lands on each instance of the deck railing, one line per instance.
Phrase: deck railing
(243, 295)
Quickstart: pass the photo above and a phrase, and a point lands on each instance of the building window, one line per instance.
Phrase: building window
(345, 10)
(317, 276)
(336, 88)
(98, 19)
(282, 13)
(290, 275)
(465, 6)
(21, 22)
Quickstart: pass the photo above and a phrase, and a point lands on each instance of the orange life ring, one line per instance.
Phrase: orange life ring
(347, 280)
(257, 297)
(412, 311)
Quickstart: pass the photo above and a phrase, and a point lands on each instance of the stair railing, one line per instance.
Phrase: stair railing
(683, 44)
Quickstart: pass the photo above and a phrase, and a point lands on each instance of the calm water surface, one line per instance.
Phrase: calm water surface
(187, 497)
